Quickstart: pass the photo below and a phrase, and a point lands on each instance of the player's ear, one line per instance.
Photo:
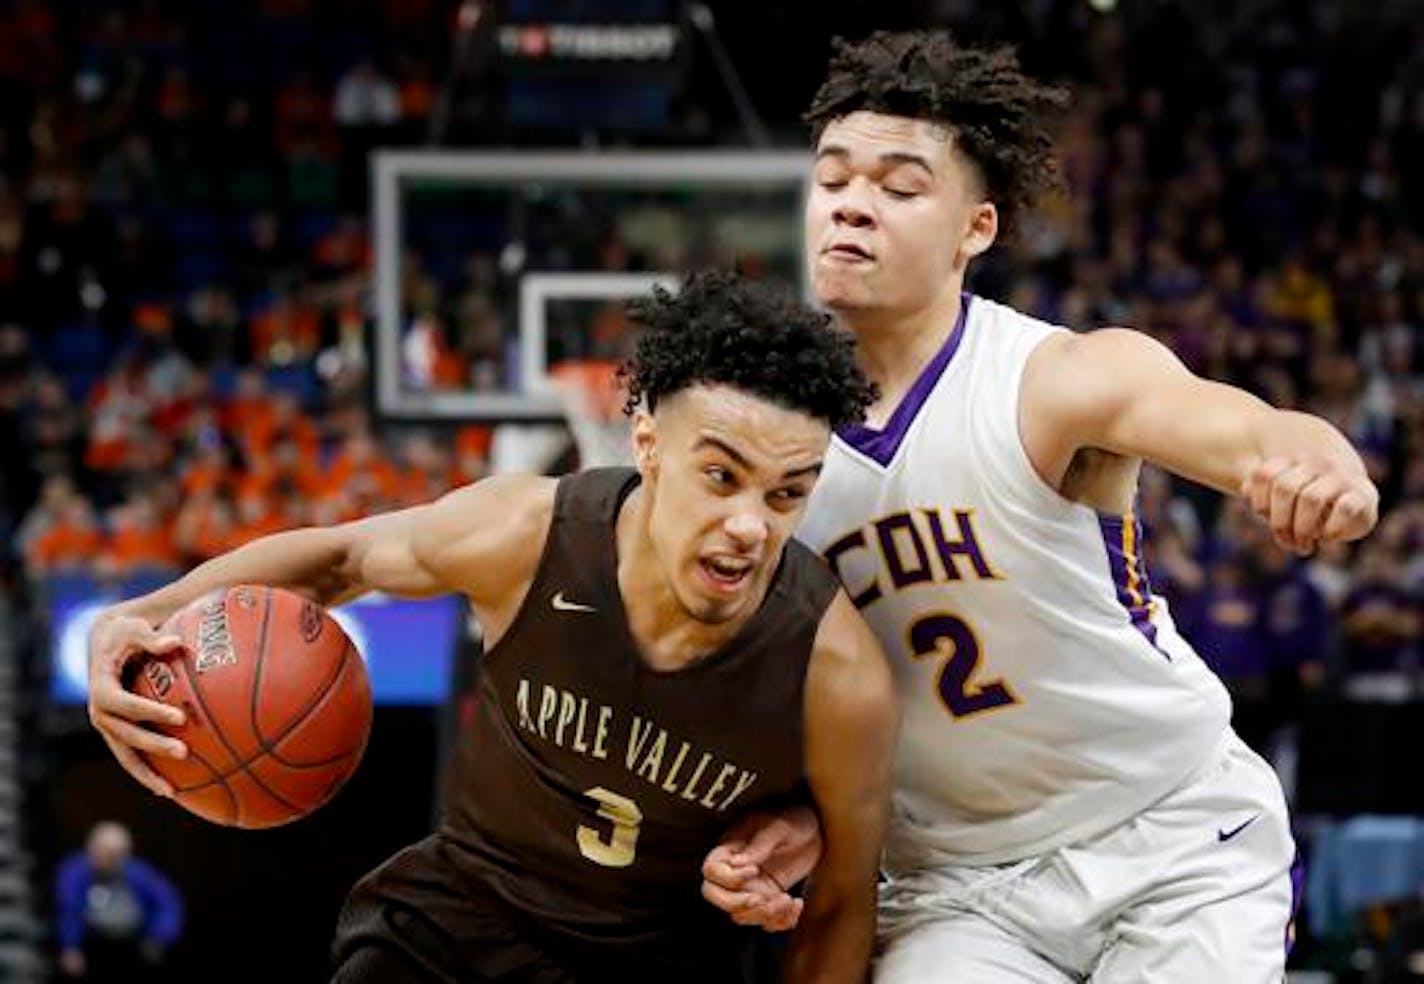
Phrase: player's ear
(645, 443)
(982, 230)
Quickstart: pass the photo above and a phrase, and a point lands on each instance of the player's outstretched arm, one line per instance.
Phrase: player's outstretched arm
(1123, 392)
(483, 540)
(852, 718)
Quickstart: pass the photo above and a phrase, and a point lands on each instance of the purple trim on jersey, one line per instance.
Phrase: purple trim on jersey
(881, 445)
(1297, 877)
(1122, 535)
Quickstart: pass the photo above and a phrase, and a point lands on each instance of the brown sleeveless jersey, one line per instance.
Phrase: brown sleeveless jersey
(588, 788)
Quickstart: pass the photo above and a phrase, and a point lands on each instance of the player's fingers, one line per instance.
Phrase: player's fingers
(765, 841)
(135, 766)
(1352, 515)
(727, 875)
(750, 915)
(723, 853)
(1257, 487)
(142, 739)
(1285, 492)
(728, 901)
(108, 697)
(162, 645)
(788, 917)
(777, 912)
(1312, 505)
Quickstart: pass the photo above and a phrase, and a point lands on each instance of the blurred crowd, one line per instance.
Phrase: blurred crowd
(183, 278)
(185, 261)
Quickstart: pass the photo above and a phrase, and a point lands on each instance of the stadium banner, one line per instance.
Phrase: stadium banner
(409, 646)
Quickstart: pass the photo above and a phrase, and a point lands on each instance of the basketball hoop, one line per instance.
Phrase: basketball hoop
(593, 406)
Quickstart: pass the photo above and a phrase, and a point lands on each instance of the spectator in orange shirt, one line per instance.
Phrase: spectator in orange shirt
(137, 540)
(119, 405)
(69, 544)
(259, 515)
(472, 451)
(286, 332)
(206, 525)
(283, 421)
(362, 476)
(288, 470)
(249, 405)
(428, 473)
(208, 470)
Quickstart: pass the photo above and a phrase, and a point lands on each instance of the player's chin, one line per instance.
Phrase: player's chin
(841, 289)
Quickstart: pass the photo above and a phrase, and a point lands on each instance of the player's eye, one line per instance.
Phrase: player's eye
(718, 475)
(901, 194)
(788, 496)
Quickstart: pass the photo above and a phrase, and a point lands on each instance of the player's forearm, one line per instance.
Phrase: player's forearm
(833, 941)
(312, 562)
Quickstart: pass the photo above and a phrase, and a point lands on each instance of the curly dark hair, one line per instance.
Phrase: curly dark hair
(723, 328)
(1001, 119)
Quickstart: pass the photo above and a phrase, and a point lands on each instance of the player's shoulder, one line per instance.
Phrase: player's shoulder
(844, 638)
(1102, 362)
(503, 518)
(848, 665)
(518, 500)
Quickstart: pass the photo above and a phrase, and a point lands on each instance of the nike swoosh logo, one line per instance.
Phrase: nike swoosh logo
(562, 604)
(1225, 835)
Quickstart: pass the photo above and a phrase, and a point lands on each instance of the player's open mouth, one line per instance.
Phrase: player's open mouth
(726, 573)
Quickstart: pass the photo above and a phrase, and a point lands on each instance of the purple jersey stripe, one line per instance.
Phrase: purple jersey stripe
(1122, 535)
(1297, 877)
(881, 445)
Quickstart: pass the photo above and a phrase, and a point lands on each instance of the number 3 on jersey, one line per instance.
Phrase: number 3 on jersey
(950, 636)
(621, 845)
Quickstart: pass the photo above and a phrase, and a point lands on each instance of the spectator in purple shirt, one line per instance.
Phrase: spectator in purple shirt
(1381, 627)
(117, 914)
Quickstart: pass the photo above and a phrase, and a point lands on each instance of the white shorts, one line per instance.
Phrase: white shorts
(1200, 887)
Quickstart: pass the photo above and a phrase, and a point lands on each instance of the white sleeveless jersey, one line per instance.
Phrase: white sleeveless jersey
(1047, 694)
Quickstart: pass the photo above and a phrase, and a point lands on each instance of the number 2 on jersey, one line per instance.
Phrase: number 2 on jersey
(949, 635)
(621, 845)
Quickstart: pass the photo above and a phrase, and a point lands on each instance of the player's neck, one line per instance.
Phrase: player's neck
(894, 348)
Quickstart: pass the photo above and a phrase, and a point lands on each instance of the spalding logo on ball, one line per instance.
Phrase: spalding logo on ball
(277, 702)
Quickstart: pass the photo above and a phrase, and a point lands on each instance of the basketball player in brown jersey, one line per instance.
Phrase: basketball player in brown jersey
(662, 661)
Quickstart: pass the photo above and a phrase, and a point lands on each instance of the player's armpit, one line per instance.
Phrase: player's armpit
(852, 719)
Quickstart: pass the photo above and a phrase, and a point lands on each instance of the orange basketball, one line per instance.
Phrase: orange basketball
(277, 703)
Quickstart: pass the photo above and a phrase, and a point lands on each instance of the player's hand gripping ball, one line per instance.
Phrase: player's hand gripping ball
(277, 702)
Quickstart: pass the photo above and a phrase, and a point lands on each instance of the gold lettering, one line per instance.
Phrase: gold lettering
(744, 782)
(521, 700)
(670, 783)
(654, 761)
(580, 745)
(548, 701)
(689, 791)
(717, 785)
(641, 730)
(600, 740)
(567, 707)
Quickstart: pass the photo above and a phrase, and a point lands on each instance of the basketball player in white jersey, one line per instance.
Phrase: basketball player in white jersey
(1071, 802)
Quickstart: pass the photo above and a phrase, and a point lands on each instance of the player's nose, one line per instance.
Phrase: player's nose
(853, 207)
(747, 528)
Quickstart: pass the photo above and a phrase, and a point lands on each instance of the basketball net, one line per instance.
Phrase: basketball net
(593, 407)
